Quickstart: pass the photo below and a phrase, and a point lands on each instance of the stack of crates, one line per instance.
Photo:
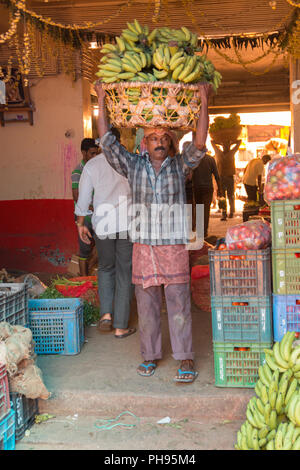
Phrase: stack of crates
(17, 412)
(241, 305)
(7, 414)
(285, 219)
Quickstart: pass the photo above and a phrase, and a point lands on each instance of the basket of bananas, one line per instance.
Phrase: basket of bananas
(226, 130)
(152, 78)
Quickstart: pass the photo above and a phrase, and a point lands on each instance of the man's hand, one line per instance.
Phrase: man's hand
(99, 90)
(205, 90)
(84, 234)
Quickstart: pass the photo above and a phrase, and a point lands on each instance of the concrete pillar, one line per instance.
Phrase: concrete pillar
(295, 104)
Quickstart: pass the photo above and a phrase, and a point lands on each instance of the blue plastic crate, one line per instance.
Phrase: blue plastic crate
(25, 410)
(242, 319)
(57, 325)
(286, 315)
(7, 432)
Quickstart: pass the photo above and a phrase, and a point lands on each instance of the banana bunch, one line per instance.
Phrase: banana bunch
(182, 37)
(283, 356)
(162, 54)
(273, 415)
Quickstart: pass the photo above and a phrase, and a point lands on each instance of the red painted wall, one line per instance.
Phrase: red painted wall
(37, 235)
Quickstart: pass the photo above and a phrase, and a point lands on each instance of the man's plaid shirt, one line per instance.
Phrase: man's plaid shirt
(158, 212)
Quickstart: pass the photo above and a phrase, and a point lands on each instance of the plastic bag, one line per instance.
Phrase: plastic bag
(250, 235)
(283, 179)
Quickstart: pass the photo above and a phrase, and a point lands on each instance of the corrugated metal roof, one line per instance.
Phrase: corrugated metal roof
(212, 17)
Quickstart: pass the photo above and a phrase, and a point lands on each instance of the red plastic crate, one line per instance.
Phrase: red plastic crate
(4, 392)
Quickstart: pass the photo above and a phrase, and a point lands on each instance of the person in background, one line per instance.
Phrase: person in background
(253, 175)
(110, 194)
(203, 186)
(226, 168)
(89, 149)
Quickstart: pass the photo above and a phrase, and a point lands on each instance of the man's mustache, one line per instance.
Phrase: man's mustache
(159, 148)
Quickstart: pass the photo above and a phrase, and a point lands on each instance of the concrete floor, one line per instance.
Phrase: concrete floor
(101, 383)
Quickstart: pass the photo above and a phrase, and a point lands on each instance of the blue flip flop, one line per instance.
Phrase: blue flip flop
(186, 372)
(146, 366)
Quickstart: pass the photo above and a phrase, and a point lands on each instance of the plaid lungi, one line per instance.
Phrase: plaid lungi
(160, 265)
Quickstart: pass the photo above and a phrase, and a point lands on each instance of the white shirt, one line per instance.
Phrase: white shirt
(110, 194)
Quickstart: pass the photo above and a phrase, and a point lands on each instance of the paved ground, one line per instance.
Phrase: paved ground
(101, 383)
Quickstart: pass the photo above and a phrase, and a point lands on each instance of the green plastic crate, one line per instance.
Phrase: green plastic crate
(236, 364)
(242, 319)
(285, 220)
(286, 271)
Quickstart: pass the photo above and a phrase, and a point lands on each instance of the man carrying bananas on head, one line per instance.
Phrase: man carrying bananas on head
(157, 177)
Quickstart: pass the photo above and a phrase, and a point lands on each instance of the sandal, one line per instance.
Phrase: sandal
(147, 365)
(105, 324)
(128, 333)
(182, 374)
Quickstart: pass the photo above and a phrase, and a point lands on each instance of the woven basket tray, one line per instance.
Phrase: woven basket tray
(153, 104)
(230, 134)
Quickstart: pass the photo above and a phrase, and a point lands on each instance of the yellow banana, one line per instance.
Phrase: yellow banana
(189, 67)
(132, 28)
(272, 399)
(294, 355)
(178, 61)
(259, 405)
(151, 36)
(263, 432)
(296, 445)
(271, 435)
(167, 54)
(143, 59)
(110, 79)
(192, 76)
(130, 36)
(278, 440)
(270, 445)
(278, 358)
(268, 372)
(273, 420)
(106, 73)
(138, 26)
(297, 413)
(291, 408)
(250, 418)
(120, 43)
(267, 412)
(273, 364)
(160, 73)
(128, 67)
(255, 439)
(296, 434)
(286, 345)
(186, 33)
(126, 75)
(291, 389)
(279, 403)
(108, 48)
(112, 67)
(264, 394)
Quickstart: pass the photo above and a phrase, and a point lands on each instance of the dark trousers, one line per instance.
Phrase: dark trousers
(178, 302)
(114, 278)
(251, 192)
(227, 187)
(204, 196)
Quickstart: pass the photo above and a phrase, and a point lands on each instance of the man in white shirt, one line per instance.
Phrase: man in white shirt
(253, 174)
(110, 195)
